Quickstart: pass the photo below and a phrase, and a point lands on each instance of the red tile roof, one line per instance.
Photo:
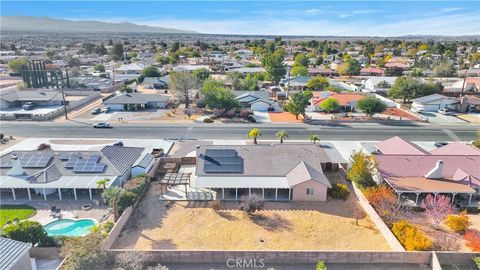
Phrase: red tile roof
(345, 99)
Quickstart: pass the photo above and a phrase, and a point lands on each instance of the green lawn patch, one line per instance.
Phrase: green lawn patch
(12, 212)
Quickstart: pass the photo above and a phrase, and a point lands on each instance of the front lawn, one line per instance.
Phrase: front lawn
(12, 212)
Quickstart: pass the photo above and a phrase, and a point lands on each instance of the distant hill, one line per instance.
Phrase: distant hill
(45, 24)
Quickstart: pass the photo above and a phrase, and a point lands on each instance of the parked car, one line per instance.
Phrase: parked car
(446, 111)
(28, 105)
(105, 109)
(440, 144)
(119, 143)
(96, 111)
(102, 125)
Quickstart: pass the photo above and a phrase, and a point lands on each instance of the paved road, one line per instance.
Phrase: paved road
(340, 132)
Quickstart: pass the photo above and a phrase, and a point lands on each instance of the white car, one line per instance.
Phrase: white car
(446, 111)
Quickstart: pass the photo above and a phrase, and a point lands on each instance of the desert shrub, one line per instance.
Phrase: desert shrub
(476, 260)
(137, 184)
(361, 171)
(339, 191)
(472, 237)
(251, 119)
(208, 120)
(125, 200)
(385, 202)
(216, 205)
(410, 236)
(245, 113)
(218, 112)
(25, 231)
(49, 241)
(446, 242)
(131, 260)
(43, 146)
(84, 252)
(252, 203)
(231, 113)
(201, 104)
(321, 265)
(458, 223)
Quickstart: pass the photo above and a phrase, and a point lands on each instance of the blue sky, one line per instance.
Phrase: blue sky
(354, 18)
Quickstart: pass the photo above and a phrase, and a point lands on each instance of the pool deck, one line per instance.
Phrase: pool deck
(70, 210)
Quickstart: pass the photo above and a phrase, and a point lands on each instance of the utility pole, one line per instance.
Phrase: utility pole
(64, 103)
(464, 80)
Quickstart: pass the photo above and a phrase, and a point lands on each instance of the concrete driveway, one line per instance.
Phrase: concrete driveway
(437, 118)
(261, 117)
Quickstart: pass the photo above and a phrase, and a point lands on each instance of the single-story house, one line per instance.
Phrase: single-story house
(14, 255)
(452, 169)
(378, 84)
(136, 101)
(469, 103)
(190, 68)
(277, 172)
(434, 102)
(293, 84)
(371, 71)
(472, 86)
(255, 101)
(318, 71)
(347, 101)
(154, 83)
(247, 70)
(61, 175)
(41, 97)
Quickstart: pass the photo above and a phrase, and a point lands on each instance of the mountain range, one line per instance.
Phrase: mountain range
(45, 24)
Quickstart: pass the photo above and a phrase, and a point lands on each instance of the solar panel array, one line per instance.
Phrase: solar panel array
(84, 164)
(222, 161)
(35, 160)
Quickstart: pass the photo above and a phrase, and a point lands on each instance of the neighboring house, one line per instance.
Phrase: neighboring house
(472, 86)
(277, 172)
(14, 255)
(154, 83)
(61, 175)
(318, 71)
(41, 97)
(255, 101)
(347, 101)
(451, 170)
(96, 83)
(248, 70)
(469, 104)
(377, 84)
(371, 71)
(434, 102)
(137, 101)
(127, 72)
(295, 84)
(190, 68)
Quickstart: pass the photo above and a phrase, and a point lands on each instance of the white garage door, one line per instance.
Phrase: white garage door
(431, 107)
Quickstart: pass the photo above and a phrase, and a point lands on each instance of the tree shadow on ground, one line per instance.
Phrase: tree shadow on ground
(273, 223)
(228, 216)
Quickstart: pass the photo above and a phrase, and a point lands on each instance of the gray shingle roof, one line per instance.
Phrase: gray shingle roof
(136, 98)
(30, 95)
(10, 251)
(121, 157)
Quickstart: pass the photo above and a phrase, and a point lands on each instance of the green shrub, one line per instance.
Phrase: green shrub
(127, 199)
(208, 120)
(339, 191)
(458, 223)
(410, 236)
(25, 231)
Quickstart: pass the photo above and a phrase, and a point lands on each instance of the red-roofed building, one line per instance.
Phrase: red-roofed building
(347, 101)
(372, 72)
(413, 172)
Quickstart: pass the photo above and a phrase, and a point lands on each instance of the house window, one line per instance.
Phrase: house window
(310, 191)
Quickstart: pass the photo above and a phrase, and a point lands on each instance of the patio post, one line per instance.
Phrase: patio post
(186, 191)
(435, 195)
(60, 194)
(29, 194)
(13, 193)
(289, 191)
(470, 199)
(399, 196)
(75, 193)
(236, 193)
(276, 194)
(249, 192)
(90, 193)
(416, 200)
(453, 197)
(223, 193)
(44, 194)
(263, 194)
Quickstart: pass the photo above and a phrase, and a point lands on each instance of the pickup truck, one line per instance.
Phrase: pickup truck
(28, 105)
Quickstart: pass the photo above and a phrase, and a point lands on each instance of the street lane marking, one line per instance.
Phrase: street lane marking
(451, 135)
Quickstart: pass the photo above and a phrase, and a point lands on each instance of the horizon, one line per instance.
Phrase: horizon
(319, 18)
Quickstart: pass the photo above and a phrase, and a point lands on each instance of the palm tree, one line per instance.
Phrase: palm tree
(254, 134)
(282, 134)
(314, 138)
(103, 183)
(111, 197)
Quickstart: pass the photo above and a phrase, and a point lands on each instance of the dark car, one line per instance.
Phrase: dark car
(96, 111)
(28, 106)
(119, 143)
(102, 125)
(440, 144)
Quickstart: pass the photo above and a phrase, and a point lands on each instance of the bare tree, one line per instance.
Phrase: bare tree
(131, 260)
(446, 242)
(181, 83)
(252, 203)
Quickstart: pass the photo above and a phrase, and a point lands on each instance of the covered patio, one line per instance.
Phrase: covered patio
(416, 189)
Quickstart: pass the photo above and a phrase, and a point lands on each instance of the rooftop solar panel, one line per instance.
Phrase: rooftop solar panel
(221, 153)
(222, 161)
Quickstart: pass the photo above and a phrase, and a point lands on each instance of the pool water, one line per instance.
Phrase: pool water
(69, 227)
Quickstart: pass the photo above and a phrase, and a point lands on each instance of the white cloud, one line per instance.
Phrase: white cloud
(450, 9)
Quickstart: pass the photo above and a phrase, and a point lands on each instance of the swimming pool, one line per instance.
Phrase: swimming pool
(70, 227)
